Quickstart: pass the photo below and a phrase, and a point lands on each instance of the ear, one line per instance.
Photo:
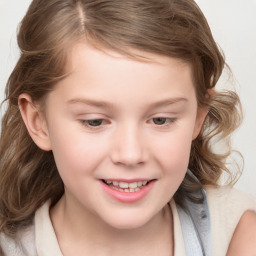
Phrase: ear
(34, 121)
(202, 113)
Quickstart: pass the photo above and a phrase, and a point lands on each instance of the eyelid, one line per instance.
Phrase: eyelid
(169, 121)
(85, 123)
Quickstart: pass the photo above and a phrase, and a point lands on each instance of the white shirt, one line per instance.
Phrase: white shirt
(226, 204)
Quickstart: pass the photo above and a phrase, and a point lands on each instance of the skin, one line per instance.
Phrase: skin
(125, 98)
(244, 239)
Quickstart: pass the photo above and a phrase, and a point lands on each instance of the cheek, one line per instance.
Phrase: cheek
(173, 151)
(75, 152)
(172, 157)
(174, 160)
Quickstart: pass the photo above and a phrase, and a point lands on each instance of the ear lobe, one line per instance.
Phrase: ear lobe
(201, 115)
(34, 121)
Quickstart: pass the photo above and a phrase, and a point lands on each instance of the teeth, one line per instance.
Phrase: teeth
(125, 186)
(134, 185)
(127, 190)
(140, 183)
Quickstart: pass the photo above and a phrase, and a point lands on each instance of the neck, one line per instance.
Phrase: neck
(82, 233)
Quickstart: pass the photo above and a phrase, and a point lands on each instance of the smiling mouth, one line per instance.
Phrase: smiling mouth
(127, 187)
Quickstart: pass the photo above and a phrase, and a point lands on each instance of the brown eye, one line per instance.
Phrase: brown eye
(95, 122)
(160, 120)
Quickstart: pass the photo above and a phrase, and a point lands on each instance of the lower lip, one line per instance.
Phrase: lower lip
(128, 197)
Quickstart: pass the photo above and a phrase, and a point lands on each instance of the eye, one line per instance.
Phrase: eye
(93, 122)
(162, 120)
(96, 122)
(159, 120)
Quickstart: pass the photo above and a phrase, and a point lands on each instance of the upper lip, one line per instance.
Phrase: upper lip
(127, 185)
(128, 180)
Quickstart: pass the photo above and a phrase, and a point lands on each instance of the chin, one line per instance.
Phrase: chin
(127, 225)
(128, 222)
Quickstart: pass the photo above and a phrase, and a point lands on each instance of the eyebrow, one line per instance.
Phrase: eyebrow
(96, 103)
(90, 102)
(168, 101)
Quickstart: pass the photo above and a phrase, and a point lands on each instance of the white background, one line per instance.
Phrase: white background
(233, 23)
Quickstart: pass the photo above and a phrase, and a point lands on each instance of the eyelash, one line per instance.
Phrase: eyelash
(167, 121)
(100, 122)
(90, 126)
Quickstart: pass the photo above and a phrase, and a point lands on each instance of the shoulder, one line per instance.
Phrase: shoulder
(230, 199)
(227, 205)
(227, 191)
(244, 239)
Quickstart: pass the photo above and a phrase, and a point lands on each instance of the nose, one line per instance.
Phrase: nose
(129, 147)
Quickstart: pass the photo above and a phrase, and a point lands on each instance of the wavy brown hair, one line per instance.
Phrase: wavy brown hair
(174, 28)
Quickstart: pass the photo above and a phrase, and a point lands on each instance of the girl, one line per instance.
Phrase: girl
(243, 240)
(106, 144)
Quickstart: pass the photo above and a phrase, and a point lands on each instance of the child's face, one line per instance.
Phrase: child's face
(114, 119)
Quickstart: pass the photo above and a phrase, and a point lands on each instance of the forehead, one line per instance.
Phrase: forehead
(94, 57)
(101, 78)
(100, 70)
